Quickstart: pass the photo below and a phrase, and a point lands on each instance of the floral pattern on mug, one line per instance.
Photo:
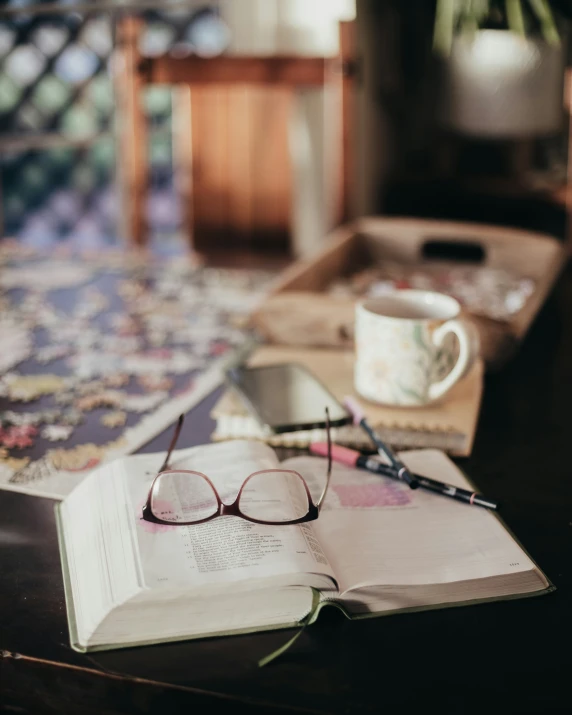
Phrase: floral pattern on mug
(397, 360)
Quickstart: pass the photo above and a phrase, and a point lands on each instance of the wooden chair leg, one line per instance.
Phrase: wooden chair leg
(132, 169)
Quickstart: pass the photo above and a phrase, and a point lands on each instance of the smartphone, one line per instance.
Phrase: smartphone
(287, 397)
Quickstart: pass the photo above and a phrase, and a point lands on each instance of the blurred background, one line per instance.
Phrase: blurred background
(395, 124)
(59, 119)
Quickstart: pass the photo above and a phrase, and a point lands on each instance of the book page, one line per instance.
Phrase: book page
(228, 548)
(376, 531)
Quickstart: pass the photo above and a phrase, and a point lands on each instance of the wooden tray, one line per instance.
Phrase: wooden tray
(298, 312)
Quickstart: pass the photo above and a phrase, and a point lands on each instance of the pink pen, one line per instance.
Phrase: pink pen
(359, 419)
(351, 458)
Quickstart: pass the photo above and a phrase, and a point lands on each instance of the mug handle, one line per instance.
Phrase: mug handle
(467, 355)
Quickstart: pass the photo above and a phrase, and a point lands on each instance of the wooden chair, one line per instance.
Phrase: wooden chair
(320, 187)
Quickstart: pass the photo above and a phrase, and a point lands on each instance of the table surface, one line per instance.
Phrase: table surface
(511, 656)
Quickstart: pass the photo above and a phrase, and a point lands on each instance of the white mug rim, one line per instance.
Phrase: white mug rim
(412, 292)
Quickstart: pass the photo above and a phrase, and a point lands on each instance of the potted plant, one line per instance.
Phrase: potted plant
(502, 67)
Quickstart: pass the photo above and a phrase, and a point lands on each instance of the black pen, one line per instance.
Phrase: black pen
(401, 470)
(354, 459)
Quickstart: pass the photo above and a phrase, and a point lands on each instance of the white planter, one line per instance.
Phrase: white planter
(497, 84)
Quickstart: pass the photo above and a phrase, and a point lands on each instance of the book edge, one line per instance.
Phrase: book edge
(550, 588)
(68, 593)
(183, 637)
(453, 443)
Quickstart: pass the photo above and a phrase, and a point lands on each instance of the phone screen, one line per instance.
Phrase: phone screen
(288, 397)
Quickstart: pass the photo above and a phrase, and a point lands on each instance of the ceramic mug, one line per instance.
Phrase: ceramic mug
(406, 352)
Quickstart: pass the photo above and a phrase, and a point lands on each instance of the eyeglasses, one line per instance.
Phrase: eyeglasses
(270, 496)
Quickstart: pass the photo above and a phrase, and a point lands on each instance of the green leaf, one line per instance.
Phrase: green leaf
(542, 10)
(444, 27)
(514, 17)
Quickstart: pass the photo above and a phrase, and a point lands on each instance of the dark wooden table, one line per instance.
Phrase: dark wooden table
(506, 657)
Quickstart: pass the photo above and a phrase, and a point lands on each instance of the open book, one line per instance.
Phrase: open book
(377, 547)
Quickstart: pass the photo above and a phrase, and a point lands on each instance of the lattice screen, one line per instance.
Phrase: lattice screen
(57, 154)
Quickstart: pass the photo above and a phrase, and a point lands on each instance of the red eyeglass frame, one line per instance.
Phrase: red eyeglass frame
(234, 509)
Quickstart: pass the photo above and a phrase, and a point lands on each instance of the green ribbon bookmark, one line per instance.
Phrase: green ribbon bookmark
(311, 617)
(308, 618)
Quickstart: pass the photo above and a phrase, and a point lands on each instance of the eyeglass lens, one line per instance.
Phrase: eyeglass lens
(181, 497)
(272, 496)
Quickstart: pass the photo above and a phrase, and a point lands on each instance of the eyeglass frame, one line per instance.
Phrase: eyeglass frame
(233, 509)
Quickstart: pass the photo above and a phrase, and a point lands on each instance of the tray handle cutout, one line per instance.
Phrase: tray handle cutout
(437, 249)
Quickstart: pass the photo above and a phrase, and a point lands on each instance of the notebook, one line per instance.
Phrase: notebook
(449, 425)
(377, 548)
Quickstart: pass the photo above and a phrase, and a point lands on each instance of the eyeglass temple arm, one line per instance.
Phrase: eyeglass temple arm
(173, 443)
(329, 474)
